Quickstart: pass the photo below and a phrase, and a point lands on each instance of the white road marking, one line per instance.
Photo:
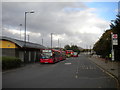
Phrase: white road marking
(68, 63)
(76, 76)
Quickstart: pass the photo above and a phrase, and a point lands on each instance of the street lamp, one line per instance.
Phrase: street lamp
(42, 41)
(28, 37)
(51, 40)
(25, 25)
(58, 43)
(25, 35)
(20, 30)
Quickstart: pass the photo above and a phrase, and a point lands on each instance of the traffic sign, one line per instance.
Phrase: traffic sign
(115, 39)
(115, 42)
(115, 36)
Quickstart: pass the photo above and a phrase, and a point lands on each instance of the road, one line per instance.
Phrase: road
(74, 72)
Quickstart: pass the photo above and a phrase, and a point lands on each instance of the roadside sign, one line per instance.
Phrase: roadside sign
(115, 42)
(115, 36)
(115, 39)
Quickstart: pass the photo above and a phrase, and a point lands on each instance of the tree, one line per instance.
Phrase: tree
(67, 47)
(75, 48)
(103, 45)
(116, 30)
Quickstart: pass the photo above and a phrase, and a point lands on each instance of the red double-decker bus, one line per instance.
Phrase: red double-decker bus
(50, 56)
(75, 54)
(69, 53)
(62, 55)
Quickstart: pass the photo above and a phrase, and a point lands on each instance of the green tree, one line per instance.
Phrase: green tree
(67, 47)
(75, 48)
(103, 45)
(115, 27)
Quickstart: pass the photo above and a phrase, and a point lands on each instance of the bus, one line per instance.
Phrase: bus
(75, 54)
(50, 56)
(62, 55)
(69, 53)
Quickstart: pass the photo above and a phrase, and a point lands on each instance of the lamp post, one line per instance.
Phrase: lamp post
(25, 36)
(25, 25)
(28, 38)
(51, 40)
(20, 30)
(42, 41)
(58, 43)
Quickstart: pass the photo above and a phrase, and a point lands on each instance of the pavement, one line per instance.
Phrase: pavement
(111, 67)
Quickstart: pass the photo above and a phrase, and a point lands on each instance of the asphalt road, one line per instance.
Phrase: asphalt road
(74, 72)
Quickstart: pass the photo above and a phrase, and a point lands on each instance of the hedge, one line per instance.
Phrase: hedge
(10, 62)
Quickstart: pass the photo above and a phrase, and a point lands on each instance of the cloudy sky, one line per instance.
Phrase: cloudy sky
(73, 23)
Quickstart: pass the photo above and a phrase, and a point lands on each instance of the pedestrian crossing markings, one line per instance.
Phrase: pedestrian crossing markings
(86, 67)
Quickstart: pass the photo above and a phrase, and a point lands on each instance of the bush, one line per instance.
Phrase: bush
(10, 62)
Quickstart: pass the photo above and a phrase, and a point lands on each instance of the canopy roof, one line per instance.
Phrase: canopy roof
(22, 43)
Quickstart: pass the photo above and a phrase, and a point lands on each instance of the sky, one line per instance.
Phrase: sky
(72, 23)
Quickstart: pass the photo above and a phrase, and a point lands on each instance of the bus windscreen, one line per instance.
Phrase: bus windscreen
(47, 55)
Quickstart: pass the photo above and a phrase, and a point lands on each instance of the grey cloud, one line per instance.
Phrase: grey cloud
(13, 13)
(49, 17)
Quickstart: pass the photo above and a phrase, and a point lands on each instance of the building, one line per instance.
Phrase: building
(29, 52)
